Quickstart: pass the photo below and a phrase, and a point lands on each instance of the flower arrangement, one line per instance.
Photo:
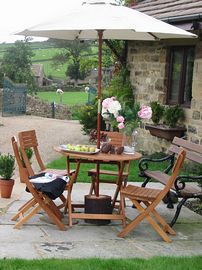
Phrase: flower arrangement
(124, 118)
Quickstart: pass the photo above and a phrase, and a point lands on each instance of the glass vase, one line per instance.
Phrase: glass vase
(129, 142)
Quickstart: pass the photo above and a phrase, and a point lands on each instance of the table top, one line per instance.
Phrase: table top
(100, 156)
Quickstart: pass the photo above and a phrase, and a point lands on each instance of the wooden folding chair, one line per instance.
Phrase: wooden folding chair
(146, 200)
(28, 140)
(37, 202)
(115, 139)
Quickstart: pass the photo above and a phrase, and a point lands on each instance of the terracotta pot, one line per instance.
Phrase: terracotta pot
(164, 132)
(6, 187)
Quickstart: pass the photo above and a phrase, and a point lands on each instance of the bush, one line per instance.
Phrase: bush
(157, 112)
(88, 118)
(7, 166)
(29, 153)
(172, 115)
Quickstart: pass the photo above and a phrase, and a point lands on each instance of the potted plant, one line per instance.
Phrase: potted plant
(7, 167)
(170, 127)
(23, 172)
(157, 112)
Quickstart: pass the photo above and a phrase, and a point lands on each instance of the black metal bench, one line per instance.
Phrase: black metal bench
(181, 188)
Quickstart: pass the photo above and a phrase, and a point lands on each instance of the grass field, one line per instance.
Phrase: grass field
(43, 54)
(68, 98)
(44, 57)
(155, 263)
(83, 172)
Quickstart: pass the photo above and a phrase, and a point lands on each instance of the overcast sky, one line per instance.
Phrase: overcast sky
(16, 15)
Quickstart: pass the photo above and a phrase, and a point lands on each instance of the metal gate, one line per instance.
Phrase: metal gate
(14, 98)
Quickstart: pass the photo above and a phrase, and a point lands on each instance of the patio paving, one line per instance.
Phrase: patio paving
(38, 238)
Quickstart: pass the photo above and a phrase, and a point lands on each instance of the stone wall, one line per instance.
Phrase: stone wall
(37, 107)
(147, 63)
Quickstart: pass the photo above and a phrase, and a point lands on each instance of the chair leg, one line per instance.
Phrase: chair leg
(69, 202)
(121, 210)
(27, 217)
(24, 208)
(144, 213)
(164, 224)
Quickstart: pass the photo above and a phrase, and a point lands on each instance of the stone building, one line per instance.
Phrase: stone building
(153, 65)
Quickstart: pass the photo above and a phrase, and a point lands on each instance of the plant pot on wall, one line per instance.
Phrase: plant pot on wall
(6, 187)
(165, 132)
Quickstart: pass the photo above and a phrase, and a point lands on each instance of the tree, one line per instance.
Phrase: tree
(16, 64)
(73, 51)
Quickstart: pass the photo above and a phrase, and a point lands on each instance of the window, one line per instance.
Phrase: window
(180, 73)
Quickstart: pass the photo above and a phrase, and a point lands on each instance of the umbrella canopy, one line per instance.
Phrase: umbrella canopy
(105, 20)
(118, 22)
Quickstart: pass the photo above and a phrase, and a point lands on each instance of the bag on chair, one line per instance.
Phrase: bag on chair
(53, 189)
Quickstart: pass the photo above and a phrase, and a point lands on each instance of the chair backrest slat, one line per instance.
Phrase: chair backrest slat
(187, 145)
(18, 157)
(193, 151)
(27, 140)
(116, 138)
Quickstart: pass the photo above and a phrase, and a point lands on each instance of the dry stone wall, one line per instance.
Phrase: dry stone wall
(37, 107)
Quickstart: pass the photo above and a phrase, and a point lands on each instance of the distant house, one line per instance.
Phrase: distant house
(38, 72)
(170, 71)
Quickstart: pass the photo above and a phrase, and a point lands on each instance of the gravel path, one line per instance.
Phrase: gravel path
(50, 132)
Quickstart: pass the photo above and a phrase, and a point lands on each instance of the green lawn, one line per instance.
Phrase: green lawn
(68, 98)
(155, 263)
(83, 172)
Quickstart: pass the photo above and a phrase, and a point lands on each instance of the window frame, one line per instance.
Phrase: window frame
(182, 79)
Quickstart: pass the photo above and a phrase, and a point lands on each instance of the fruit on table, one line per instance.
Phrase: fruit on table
(106, 147)
(81, 148)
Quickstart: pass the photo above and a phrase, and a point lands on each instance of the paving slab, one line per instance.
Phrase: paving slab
(39, 238)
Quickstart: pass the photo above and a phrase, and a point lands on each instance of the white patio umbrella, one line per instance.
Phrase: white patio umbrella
(101, 19)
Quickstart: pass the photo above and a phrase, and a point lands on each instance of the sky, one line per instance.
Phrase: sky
(17, 15)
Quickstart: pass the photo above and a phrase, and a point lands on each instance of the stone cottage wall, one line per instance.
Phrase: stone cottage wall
(147, 63)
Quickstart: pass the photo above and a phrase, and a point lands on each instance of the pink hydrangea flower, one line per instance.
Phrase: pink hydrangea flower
(120, 119)
(121, 125)
(145, 112)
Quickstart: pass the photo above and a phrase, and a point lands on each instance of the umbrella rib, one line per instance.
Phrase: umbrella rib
(77, 37)
(155, 37)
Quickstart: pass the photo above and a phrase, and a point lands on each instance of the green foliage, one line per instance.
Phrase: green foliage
(172, 115)
(157, 112)
(7, 166)
(130, 113)
(88, 117)
(74, 71)
(121, 88)
(72, 51)
(192, 168)
(29, 153)
(16, 64)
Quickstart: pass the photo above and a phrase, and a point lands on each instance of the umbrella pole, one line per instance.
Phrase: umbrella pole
(100, 34)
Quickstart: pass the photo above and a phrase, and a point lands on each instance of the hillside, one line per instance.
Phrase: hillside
(43, 54)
